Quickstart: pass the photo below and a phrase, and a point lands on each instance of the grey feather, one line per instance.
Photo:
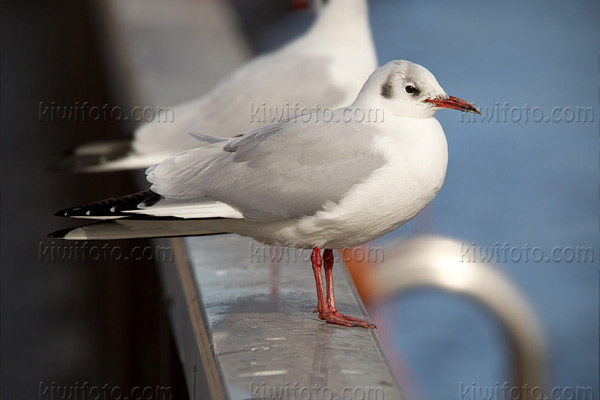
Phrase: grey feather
(206, 138)
(235, 107)
(268, 174)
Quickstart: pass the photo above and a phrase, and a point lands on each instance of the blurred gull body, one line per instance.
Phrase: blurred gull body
(324, 68)
(307, 182)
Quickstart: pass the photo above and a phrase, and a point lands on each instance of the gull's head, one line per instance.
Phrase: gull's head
(409, 90)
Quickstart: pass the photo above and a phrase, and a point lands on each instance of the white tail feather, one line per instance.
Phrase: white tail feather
(212, 209)
(130, 229)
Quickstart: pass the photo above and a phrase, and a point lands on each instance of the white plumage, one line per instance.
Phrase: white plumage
(309, 181)
(324, 68)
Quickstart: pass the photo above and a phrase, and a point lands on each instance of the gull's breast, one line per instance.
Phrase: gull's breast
(417, 156)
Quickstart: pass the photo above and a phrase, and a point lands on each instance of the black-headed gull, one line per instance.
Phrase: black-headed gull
(325, 67)
(320, 181)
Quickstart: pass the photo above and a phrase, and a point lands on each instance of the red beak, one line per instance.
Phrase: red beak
(300, 5)
(455, 103)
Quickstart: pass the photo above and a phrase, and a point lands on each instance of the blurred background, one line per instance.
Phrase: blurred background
(523, 175)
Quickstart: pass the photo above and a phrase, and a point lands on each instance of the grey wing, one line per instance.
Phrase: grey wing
(269, 89)
(283, 171)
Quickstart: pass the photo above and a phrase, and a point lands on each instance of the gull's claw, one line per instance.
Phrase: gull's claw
(345, 320)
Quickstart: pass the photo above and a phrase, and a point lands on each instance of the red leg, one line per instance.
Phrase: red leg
(329, 312)
(328, 264)
(316, 264)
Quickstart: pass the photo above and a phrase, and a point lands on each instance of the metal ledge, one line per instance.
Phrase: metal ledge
(253, 324)
(243, 325)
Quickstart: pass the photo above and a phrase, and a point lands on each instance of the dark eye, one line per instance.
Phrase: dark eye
(410, 89)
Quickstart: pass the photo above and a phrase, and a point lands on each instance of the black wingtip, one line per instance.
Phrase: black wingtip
(67, 212)
(111, 207)
(60, 234)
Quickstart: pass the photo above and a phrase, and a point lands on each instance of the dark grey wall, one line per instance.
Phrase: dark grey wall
(65, 323)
